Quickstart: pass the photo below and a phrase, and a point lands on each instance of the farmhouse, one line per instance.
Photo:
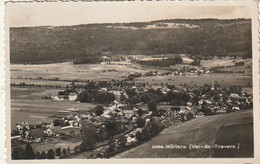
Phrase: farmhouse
(35, 135)
(73, 96)
(84, 123)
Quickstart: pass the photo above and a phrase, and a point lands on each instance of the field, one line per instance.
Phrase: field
(115, 70)
(27, 105)
(228, 129)
(53, 143)
(223, 79)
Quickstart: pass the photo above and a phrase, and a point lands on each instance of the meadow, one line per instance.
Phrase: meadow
(223, 79)
(227, 129)
(27, 105)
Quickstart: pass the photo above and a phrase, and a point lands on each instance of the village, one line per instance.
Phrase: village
(127, 114)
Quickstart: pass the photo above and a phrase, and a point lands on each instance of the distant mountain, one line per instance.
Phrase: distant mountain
(206, 37)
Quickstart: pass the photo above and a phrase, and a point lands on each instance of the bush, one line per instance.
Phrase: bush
(37, 155)
(50, 154)
(189, 116)
(29, 154)
(122, 140)
(18, 153)
(56, 122)
(140, 112)
(140, 122)
(43, 155)
(58, 152)
(98, 110)
(89, 139)
(152, 106)
(64, 151)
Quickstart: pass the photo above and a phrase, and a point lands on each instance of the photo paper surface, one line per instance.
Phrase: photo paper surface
(132, 82)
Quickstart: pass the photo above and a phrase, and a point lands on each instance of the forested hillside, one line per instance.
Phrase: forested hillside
(207, 37)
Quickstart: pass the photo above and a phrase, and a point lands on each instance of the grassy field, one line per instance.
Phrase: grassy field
(62, 142)
(70, 71)
(27, 105)
(216, 62)
(32, 93)
(54, 143)
(223, 79)
(224, 129)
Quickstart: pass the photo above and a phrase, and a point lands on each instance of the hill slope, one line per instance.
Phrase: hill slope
(70, 43)
(225, 129)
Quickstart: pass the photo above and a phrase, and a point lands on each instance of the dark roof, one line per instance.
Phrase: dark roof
(85, 122)
(57, 130)
(38, 133)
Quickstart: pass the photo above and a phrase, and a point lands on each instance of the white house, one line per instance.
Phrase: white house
(73, 96)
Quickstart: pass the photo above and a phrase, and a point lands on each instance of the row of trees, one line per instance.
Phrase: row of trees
(180, 98)
(161, 63)
(28, 153)
(96, 96)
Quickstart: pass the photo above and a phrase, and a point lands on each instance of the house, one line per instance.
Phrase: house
(186, 60)
(84, 123)
(234, 96)
(57, 131)
(236, 108)
(105, 60)
(36, 135)
(49, 132)
(73, 96)
(189, 103)
(103, 89)
(57, 98)
(22, 126)
(128, 113)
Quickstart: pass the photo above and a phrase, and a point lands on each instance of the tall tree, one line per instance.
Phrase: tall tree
(58, 152)
(64, 151)
(18, 153)
(43, 155)
(50, 154)
(89, 139)
(152, 106)
(29, 154)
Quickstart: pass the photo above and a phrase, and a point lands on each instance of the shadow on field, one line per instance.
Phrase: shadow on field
(232, 135)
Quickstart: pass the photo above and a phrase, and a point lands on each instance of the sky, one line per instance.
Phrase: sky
(63, 14)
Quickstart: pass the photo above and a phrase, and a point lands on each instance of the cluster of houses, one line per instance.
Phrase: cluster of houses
(211, 99)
